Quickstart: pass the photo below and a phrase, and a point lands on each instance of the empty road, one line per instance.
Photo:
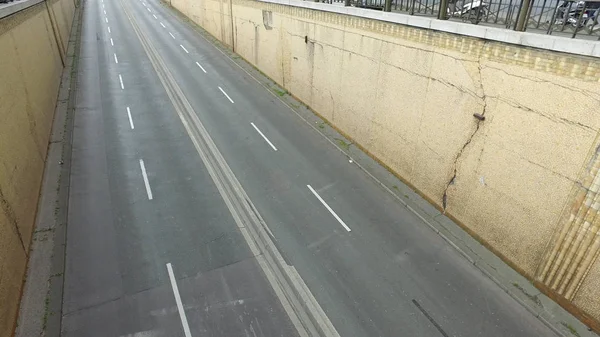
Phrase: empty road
(201, 205)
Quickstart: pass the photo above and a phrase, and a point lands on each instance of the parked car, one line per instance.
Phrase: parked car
(474, 10)
(577, 13)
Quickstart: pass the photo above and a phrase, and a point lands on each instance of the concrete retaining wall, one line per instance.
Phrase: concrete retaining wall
(31, 43)
(523, 181)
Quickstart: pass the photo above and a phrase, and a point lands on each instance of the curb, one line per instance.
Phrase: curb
(56, 286)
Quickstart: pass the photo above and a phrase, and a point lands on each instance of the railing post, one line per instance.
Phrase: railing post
(388, 6)
(523, 15)
(578, 25)
(443, 13)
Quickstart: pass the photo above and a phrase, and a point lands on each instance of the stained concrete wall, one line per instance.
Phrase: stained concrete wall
(519, 180)
(30, 70)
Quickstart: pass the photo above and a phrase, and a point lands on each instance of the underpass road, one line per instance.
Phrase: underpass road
(154, 248)
(141, 199)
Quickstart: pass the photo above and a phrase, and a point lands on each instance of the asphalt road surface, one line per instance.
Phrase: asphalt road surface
(200, 205)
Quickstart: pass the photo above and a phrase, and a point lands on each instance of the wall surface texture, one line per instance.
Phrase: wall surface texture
(30, 70)
(524, 181)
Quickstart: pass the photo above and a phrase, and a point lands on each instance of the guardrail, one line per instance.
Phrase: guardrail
(569, 18)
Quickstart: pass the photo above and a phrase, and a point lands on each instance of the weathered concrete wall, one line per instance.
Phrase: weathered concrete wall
(30, 69)
(61, 12)
(408, 95)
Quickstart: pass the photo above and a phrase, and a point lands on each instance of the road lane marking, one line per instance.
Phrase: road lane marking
(149, 10)
(154, 16)
(143, 3)
(111, 42)
(162, 25)
(173, 36)
(201, 67)
(184, 322)
(116, 60)
(328, 208)
(104, 12)
(146, 182)
(106, 19)
(224, 93)
(182, 47)
(130, 119)
(121, 80)
(108, 29)
(265, 137)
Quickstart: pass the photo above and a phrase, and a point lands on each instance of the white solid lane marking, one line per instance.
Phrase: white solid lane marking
(108, 29)
(173, 36)
(121, 80)
(182, 47)
(106, 19)
(328, 208)
(116, 60)
(184, 322)
(111, 42)
(201, 67)
(265, 137)
(130, 119)
(162, 25)
(146, 182)
(224, 93)
(154, 16)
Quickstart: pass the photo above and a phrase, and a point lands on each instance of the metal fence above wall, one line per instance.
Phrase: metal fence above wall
(576, 19)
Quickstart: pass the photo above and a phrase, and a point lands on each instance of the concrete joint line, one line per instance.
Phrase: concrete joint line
(57, 37)
(308, 317)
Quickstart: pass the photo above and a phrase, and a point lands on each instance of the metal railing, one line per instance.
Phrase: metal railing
(576, 19)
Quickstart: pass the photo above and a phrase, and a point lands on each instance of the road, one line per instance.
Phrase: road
(201, 205)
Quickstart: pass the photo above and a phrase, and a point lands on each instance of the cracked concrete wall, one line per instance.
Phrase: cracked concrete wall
(30, 68)
(407, 96)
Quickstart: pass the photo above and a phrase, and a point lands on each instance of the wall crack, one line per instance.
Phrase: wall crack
(380, 60)
(551, 117)
(587, 93)
(478, 122)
